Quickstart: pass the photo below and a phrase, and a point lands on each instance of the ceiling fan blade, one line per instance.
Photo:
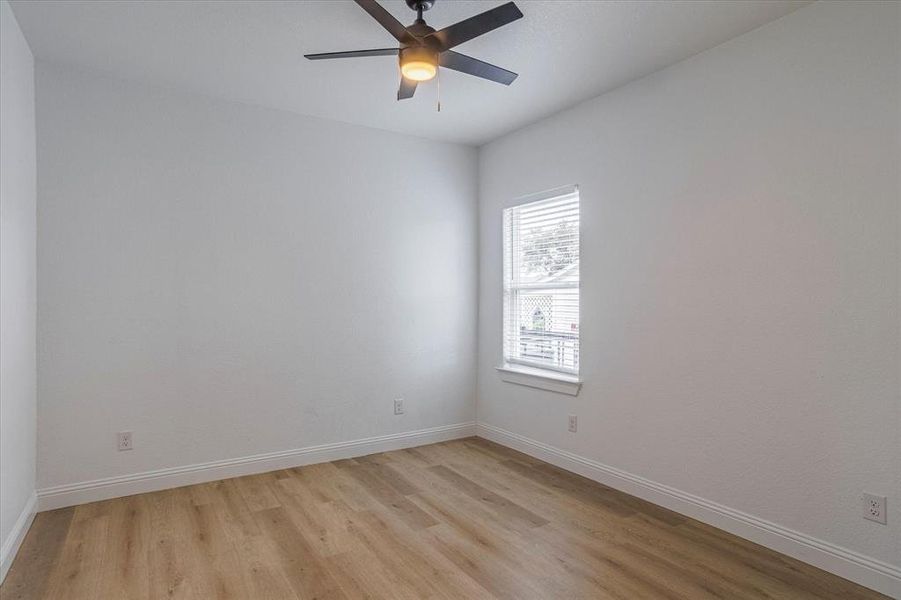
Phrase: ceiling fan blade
(407, 88)
(474, 26)
(353, 53)
(474, 66)
(386, 19)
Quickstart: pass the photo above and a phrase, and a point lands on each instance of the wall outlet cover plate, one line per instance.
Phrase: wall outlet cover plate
(874, 508)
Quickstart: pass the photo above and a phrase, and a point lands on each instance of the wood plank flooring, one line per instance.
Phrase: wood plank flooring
(461, 519)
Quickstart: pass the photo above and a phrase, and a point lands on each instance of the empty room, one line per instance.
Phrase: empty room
(450, 299)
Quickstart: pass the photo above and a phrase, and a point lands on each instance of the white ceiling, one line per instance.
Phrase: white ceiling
(565, 52)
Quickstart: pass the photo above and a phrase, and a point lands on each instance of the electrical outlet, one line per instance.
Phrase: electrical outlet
(398, 406)
(573, 423)
(874, 507)
(125, 441)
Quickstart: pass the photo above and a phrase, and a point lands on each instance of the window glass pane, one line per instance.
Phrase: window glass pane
(541, 283)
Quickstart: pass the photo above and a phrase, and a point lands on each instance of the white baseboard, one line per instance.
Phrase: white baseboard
(151, 481)
(13, 541)
(866, 571)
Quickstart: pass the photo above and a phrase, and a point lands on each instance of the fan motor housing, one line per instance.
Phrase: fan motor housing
(418, 53)
(420, 29)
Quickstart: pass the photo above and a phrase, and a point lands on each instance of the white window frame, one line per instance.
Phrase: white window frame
(523, 371)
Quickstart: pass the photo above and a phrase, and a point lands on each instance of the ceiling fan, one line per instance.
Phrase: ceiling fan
(422, 49)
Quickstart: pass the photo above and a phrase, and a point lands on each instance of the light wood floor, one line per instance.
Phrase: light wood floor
(462, 519)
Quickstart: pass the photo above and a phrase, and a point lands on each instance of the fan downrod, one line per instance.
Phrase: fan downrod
(419, 6)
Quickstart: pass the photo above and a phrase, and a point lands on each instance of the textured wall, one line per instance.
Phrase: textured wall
(740, 299)
(17, 277)
(226, 280)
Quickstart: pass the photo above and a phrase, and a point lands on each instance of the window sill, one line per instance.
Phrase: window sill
(551, 381)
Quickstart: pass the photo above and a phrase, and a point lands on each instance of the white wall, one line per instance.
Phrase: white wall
(740, 295)
(17, 285)
(226, 280)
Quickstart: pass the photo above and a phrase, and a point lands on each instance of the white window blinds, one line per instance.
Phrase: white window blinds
(541, 283)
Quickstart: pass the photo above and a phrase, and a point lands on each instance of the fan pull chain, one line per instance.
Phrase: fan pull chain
(438, 77)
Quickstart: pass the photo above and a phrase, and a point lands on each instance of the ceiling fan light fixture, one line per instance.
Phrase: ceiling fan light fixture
(422, 48)
(419, 70)
(418, 64)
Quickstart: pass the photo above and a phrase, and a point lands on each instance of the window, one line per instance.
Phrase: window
(541, 283)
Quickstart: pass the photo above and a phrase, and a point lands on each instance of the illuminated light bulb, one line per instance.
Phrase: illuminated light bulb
(418, 70)
(418, 63)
